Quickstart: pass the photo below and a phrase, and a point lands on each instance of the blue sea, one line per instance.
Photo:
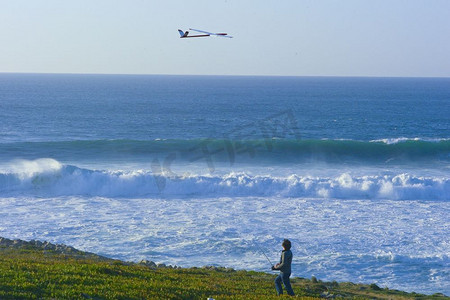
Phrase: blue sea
(215, 170)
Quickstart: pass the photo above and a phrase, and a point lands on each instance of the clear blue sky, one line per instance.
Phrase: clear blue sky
(284, 37)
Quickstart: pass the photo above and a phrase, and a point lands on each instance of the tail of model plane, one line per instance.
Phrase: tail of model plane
(182, 33)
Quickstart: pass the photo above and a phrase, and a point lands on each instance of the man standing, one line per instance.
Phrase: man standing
(285, 269)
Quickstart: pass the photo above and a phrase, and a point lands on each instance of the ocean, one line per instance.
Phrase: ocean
(216, 170)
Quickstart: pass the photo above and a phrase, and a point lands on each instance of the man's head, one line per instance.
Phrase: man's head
(286, 244)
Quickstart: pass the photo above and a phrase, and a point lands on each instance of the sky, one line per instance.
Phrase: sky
(408, 38)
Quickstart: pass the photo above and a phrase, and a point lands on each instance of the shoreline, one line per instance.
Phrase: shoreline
(32, 254)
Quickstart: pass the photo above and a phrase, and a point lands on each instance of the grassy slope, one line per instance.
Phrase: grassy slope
(33, 273)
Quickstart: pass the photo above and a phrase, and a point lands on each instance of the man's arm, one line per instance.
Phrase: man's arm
(280, 265)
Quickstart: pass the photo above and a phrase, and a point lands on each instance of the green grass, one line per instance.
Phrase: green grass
(35, 274)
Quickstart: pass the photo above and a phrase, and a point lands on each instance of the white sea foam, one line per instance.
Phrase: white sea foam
(28, 168)
(397, 140)
(399, 244)
(48, 177)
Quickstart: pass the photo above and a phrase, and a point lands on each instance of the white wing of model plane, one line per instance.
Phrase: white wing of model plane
(185, 34)
(210, 33)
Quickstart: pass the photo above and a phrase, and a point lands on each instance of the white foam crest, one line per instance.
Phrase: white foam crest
(50, 178)
(27, 168)
(21, 175)
(391, 141)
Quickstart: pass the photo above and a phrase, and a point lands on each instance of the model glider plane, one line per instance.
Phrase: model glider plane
(185, 34)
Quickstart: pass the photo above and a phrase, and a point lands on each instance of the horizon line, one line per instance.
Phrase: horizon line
(221, 75)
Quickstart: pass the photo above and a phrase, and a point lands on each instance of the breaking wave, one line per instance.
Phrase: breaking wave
(48, 177)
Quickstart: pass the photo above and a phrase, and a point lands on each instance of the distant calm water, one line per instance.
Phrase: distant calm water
(196, 170)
